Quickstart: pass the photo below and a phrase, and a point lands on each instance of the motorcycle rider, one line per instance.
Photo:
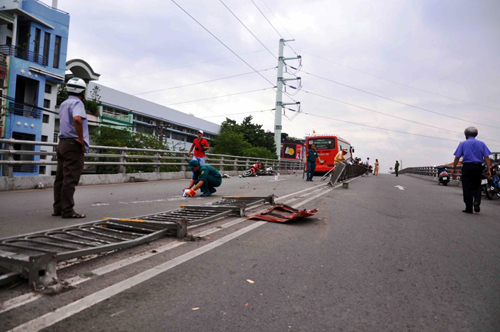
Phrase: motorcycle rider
(473, 152)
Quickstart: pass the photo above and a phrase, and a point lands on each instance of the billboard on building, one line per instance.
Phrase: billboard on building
(291, 151)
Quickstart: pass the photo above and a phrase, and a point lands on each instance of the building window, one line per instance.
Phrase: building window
(48, 88)
(46, 47)
(178, 137)
(42, 169)
(26, 168)
(46, 118)
(46, 103)
(45, 138)
(8, 40)
(10, 26)
(57, 51)
(38, 32)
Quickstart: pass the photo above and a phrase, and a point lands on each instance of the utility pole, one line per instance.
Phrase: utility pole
(279, 95)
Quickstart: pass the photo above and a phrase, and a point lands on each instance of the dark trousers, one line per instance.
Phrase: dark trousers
(69, 169)
(311, 166)
(471, 184)
(209, 184)
(397, 171)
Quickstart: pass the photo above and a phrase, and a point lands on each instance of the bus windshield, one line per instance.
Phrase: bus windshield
(323, 143)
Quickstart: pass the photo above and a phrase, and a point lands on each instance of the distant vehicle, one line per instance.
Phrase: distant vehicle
(443, 175)
(495, 158)
(328, 146)
(491, 186)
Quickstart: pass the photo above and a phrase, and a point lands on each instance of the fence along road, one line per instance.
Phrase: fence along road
(127, 164)
(373, 258)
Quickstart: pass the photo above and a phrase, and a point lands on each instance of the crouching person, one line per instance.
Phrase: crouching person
(204, 177)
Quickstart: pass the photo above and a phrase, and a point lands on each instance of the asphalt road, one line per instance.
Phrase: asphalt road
(374, 258)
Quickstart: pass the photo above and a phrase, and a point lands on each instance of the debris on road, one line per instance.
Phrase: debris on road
(282, 213)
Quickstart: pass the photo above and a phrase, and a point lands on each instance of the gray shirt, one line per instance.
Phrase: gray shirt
(70, 108)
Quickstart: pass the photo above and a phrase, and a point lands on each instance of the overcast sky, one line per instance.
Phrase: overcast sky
(378, 73)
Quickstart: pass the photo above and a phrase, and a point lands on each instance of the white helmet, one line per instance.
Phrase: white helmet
(76, 85)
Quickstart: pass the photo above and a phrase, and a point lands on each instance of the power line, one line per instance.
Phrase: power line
(276, 18)
(399, 102)
(218, 116)
(220, 41)
(248, 29)
(389, 115)
(229, 95)
(279, 34)
(186, 85)
(380, 128)
(402, 84)
(178, 67)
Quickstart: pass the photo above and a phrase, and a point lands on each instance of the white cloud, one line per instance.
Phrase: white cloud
(447, 47)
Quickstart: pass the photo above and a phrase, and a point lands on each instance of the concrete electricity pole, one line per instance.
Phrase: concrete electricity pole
(279, 95)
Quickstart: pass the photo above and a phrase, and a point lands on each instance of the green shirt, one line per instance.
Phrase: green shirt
(204, 172)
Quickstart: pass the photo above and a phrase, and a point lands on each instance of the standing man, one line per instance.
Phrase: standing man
(396, 168)
(375, 171)
(200, 145)
(339, 157)
(473, 152)
(312, 155)
(204, 177)
(73, 144)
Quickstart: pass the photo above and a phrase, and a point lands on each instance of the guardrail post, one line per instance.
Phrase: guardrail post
(221, 164)
(235, 162)
(10, 168)
(157, 160)
(123, 160)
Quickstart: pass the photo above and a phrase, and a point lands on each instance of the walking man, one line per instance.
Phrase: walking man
(396, 168)
(204, 177)
(73, 144)
(312, 155)
(200, 145)
(473, 152)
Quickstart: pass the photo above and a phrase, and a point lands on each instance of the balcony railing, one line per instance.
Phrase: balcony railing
(29, 111)
(23, 53)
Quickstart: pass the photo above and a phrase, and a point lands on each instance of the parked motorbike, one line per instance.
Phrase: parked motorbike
(443, 175)
(491, 186)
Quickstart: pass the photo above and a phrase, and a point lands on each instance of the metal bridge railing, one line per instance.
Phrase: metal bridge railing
(116, 160)
(431, 171)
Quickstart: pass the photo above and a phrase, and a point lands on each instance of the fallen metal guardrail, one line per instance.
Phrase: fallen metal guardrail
(343, 172)
(34, 256)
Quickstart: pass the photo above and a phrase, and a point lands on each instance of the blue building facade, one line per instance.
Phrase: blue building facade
(33, 42)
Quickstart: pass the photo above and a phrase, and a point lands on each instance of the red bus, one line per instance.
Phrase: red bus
(328, 146)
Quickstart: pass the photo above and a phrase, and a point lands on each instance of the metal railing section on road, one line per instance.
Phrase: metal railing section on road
(34, 256)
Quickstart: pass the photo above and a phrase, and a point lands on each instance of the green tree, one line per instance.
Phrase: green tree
(231, 143)
(252, 136)
(106, 136)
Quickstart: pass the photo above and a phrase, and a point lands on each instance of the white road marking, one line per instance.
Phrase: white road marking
(400, 187)
(30, 297)
(99, 296)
